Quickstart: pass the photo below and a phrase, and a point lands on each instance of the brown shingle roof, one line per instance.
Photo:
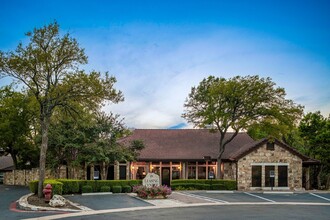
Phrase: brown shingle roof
(6, 163)
(184, 144)
(247, 148)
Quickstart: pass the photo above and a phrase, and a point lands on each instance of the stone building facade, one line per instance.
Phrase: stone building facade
(265, 168)
(192, 154)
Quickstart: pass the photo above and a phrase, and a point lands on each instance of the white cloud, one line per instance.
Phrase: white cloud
(157, 66)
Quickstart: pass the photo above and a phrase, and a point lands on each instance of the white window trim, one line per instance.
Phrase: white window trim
(269, 164)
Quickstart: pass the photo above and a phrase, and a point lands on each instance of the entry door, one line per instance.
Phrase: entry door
(166, 176)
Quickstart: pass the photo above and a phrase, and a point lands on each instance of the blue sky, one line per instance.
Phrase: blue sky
(158, 50)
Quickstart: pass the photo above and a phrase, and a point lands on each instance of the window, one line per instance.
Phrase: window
(201, 172)
(282, 176)
(191, 172)
(175, 173)
(256, 176)
(140, 173)
(270, 146)
(122, 172)
(269, 181)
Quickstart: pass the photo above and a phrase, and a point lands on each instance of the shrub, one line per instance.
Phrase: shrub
(204, 184)
(127, 189)
(70, 186)
(57, 187)
(116, 189)
(86, 189)
(33, 186)
(105, 189)
(152, 192)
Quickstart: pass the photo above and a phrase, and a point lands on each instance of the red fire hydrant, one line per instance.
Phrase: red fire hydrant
(47, 192)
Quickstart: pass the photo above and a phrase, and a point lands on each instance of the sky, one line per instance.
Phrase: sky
(158, 50)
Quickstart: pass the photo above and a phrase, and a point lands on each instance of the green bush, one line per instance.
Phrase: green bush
(70, 186)
(203, 184)
(57, 187)
(116, 189)
(33, 186)
(105, 189)
(86, 189)
(127, 189)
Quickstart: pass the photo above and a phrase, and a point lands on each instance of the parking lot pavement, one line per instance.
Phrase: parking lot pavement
(256, 197)
(113, 201)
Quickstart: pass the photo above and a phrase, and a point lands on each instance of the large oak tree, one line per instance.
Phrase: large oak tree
(235, 104)
(49, 68)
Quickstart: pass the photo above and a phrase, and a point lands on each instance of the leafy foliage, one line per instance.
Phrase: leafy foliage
(192, 184)
(237, 104)
(16, 116)
(48, 66)
(315, 131)
(152, 192)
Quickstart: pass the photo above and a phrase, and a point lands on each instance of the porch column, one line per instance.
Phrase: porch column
(307, 178)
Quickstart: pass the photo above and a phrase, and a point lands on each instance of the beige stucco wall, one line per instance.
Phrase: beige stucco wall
(262, 155)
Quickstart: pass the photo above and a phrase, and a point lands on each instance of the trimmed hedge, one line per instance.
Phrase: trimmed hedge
(116, 189)
(86, 189)
(57, 187)
(105, 189)
(126, 189)
(71, 186)
(215, 184)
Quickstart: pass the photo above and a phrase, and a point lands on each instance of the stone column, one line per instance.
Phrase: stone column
(128, 171)
(116, 170)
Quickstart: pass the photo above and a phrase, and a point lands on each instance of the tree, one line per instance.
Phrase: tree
(236, 104)
(315, 131)
(15, 128)
(49, 68)
(103, 148)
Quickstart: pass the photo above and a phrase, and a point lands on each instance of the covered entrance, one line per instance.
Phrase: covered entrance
(166, 179)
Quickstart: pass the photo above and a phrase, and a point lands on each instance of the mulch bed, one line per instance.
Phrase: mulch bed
(36, 201)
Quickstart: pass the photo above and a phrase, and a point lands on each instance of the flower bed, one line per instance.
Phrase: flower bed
(152, 192)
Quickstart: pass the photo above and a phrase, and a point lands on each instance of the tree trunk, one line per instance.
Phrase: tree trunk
(219, 159)
(104, 172)
(45, 120)
(13, 156)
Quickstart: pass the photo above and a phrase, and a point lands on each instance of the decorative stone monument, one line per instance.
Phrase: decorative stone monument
(151, 180)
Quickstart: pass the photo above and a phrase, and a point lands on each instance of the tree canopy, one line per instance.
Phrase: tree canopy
(49, 68)
(236, 104)
(315, 131)
(16, 115)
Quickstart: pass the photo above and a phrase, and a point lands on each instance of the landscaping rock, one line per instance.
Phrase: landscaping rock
(57, 201)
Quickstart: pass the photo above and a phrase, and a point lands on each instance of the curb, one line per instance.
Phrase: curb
(220, 191)
(24, 205)
(278, 192)
(98, 193)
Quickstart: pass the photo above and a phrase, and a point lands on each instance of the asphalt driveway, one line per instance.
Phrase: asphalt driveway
(255, 197)
(112, 201)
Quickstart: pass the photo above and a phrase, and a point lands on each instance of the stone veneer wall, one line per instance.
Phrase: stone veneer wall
(229, 171)
(23, 177)
(262, 155)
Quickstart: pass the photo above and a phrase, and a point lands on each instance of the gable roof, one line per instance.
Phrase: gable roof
(6, 163)
(184, 144)
(248, 148)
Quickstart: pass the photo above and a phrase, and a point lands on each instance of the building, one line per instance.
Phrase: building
(192, 154)
(6, 165)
